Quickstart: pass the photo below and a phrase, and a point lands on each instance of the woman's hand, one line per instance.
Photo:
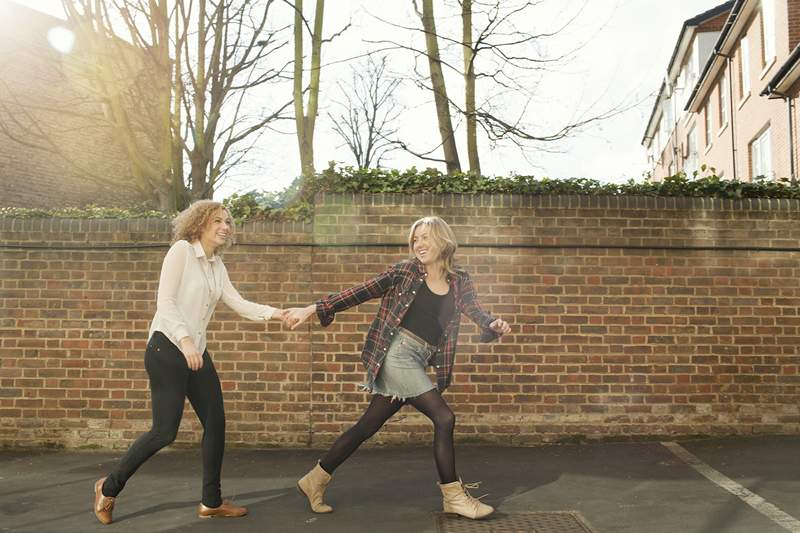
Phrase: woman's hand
(500, 326)
(297, 315)
(193, 358)
(279, 314)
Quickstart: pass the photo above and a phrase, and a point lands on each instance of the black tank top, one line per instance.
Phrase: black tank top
(428, 315)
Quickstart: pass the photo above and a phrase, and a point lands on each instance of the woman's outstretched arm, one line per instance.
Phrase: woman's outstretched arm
(327, 307)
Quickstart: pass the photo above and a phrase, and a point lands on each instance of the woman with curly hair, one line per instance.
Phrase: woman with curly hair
(193, 279)
(417, 325)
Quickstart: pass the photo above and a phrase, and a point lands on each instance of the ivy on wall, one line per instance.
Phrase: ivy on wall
(295, 202)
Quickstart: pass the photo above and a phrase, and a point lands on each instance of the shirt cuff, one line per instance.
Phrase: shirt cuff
(324, 313)
(488, 334)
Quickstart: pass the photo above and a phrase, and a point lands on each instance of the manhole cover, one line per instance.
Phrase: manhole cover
(543, 522)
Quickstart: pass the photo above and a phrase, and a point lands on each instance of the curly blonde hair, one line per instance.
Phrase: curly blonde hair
(442, 236)
(189, 224)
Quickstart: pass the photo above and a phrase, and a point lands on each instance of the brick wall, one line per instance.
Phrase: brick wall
(714, 24)
(793, 19)
(55, 146)
(632, 317)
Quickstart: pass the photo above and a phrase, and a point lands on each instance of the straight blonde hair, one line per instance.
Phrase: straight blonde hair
(442, 236)
(190, 223)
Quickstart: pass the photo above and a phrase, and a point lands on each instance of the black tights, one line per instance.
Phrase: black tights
(381, 409)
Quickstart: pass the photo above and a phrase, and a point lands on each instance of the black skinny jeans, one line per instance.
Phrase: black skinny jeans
(171, 380)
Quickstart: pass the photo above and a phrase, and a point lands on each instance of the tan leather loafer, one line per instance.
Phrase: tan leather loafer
(103, 505)
(226, 510)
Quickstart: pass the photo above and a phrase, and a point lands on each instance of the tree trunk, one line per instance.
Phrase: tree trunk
(166, 200)
(439, 89)
(306, 121)
(179, 192)
(469, 88)
(198, 159)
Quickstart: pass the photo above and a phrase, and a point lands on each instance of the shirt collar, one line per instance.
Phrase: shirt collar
(199, 252)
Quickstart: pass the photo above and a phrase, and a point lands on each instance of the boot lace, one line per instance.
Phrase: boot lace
(473, 486)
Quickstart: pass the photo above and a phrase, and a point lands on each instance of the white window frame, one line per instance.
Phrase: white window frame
(709, 124)
(761, 155)
(768, 29)
(724, 100)
(690, 164)
(668, 112)
(744, 50)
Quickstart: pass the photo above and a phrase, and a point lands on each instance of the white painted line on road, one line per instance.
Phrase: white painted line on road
(752, 499)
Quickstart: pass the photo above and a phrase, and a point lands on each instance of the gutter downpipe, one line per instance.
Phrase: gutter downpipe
(729, 66)
(733, 130)
(790, 109)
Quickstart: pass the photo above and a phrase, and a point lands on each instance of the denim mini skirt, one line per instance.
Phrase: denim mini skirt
(402, 374)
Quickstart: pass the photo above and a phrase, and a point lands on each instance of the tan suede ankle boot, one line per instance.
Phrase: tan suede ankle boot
(458, 501)
(313, 486)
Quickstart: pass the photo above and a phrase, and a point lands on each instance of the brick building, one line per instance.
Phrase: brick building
(55, 147)
(722, 103)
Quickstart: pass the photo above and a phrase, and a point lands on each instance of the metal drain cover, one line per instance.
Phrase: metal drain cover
(542, 522)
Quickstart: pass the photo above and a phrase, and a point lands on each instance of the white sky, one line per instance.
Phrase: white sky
(628, 44)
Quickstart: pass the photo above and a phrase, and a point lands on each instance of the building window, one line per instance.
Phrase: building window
(724, 104)
(690, 165)
(768, 29)
(669, 118)
(663, 135)
(761, 156)
(709, 124)
(744, 65)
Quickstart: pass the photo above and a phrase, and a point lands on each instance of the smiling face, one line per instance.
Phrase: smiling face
(218, 230)
(433, 243)
(424, 246)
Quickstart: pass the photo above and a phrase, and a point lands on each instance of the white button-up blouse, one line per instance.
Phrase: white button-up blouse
(189, 288)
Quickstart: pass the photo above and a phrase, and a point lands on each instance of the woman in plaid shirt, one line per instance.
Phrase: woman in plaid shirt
(417, 325)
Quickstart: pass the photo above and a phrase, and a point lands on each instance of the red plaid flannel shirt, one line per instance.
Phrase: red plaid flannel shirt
(398, 287)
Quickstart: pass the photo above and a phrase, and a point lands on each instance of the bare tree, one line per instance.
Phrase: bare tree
(505, 60)
(446, 131)
(173, 78)
(305, 115)
(469, 87)
(305, 122)
(232, 47)
(366, 123)
(512, 60)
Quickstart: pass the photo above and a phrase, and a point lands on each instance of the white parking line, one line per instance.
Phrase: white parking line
(752, 499)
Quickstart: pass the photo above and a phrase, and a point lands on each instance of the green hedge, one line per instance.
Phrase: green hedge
(348, 179)
(89, 211)
(295, 202)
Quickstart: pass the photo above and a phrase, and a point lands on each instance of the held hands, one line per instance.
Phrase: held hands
(193, 358)
(297, 315)
(500, 326)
